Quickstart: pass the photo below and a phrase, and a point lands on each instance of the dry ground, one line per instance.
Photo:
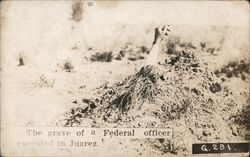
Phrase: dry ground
(45, 35)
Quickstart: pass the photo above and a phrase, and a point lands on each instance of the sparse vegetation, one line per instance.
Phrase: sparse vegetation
(174, 45)
(68, 61)
(168, 146)
(131, 52)
(102, 57)
(21, 61)
(44, 82)
(77, 10)
(140, 89)
(239, 69)
(67, 66)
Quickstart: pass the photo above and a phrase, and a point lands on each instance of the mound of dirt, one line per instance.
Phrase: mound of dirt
(242, 121)
(181, 94)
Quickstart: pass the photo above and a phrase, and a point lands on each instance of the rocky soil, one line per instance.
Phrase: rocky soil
(180, 93)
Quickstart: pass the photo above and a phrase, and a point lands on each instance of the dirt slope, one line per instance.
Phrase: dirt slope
(181, 94)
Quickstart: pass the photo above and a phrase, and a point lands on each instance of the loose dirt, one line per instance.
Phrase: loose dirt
(180, 93)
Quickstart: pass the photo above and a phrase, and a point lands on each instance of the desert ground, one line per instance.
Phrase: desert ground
(54, 55)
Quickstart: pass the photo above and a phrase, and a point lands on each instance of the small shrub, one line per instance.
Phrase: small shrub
(44, 82)
(77, 9)
(102, 57)
(234, 69)
(68, 67)
(21, 61)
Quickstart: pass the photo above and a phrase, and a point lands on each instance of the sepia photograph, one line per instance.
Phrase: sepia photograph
(125, 78)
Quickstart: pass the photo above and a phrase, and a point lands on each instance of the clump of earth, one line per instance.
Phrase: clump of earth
(180, 93)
